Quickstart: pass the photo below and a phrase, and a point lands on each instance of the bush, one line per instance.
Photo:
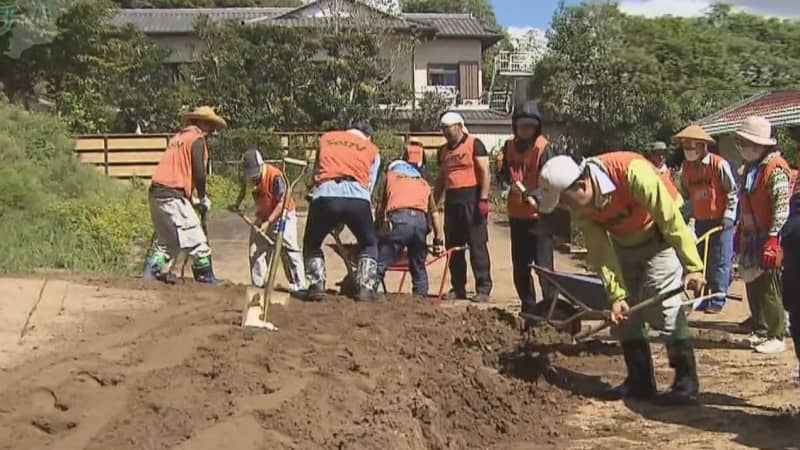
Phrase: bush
(58, 213)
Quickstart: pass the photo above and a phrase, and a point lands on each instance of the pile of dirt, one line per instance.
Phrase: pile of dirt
(338, 375)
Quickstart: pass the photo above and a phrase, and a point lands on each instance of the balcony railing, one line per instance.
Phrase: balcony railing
(521, 63)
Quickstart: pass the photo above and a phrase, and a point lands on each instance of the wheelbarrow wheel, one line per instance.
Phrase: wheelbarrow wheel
(563, 310)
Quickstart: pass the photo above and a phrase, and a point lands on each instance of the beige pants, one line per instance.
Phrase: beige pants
(291, 256)
(178, 229)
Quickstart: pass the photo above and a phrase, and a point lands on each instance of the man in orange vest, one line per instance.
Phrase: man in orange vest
(414, 154)
(521, 159)
(640, 246)
(181, 172)
(345, 172)
(464, 180)
(268, 190)
(764, 200)
(407, 211)
(708, 183)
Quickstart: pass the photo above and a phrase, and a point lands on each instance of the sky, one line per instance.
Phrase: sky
(520, 15)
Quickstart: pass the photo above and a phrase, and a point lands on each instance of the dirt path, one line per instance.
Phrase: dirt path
(129, 365)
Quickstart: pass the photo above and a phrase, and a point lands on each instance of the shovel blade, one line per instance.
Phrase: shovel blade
(253, 312)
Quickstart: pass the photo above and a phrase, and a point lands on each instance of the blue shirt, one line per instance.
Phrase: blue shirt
(405, 168)
(349, 189)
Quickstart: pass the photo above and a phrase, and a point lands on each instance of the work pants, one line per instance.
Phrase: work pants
(291, 259)
(463, 225)
(409, 230)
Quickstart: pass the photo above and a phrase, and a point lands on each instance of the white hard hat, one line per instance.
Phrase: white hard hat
(450, 119)
(558, 173)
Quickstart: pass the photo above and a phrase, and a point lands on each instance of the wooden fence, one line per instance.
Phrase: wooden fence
(126, 156)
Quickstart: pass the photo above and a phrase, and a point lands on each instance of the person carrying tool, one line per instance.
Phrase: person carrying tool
(764, 200)
(345, 172)
(521, 159)
(708, 183)
(464, 182)
(181, 172)
(656, 153)
(414, 154)
(404, 216)
(268, 189)
(639, 245)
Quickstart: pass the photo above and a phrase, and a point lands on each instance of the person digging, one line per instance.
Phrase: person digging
(708, 183)
(268, 191)
(345, 172)
(639, 245)
(181, 172)
(404, 218)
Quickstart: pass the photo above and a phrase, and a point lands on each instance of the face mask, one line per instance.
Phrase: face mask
(691, 155)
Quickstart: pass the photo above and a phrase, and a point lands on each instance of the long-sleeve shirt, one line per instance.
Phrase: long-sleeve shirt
(777, 189)
(728, 183)
(652, 195)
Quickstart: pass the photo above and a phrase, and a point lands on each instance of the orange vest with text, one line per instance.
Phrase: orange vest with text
(757, 206)
(622, 214)
(414, 153)
(709, 199)
(458, 165)
(265, 200)
(405, 192)
(524, 167)
(175, 168)
(344, 155)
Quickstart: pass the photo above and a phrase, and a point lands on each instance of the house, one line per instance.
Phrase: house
(446, 59)
(781, 108)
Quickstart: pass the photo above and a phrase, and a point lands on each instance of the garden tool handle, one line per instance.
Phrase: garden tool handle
(524, 193)
(255, 228)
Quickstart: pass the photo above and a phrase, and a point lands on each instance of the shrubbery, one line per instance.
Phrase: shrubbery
(58, 213)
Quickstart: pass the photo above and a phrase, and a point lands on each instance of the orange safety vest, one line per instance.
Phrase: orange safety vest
(756, 206)
(705, 188)
(458, 165)
(524, 167)
(344, 155)
(405, 192)
(622, 214)
(175, 168)
(265, 200)
(414, 153)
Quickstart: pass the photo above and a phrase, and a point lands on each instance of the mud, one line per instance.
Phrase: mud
(338, 375)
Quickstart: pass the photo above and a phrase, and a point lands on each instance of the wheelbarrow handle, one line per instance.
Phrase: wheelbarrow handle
(594, 329)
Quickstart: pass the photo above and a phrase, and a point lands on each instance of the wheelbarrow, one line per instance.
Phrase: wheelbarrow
(580, 297)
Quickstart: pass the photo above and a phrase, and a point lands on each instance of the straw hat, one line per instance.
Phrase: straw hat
(757, 130)
(207, 114)
(693, 132)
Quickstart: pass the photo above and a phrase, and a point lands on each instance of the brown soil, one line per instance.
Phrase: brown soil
(339, 375)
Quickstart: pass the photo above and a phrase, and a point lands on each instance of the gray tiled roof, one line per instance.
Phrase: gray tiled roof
(181, 20)
(471, 116)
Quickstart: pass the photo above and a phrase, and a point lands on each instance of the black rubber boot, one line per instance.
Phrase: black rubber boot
(685, 388)
(641, 381)
(368, 280)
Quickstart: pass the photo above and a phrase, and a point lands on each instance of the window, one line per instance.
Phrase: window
(443, 75)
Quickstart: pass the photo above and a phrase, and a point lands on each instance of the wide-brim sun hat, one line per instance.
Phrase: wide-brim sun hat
(557, 174)
(757, 130)
(205, 113)
(695, 132)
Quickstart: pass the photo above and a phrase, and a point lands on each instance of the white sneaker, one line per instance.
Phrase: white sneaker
(771, 346)
(752, 340)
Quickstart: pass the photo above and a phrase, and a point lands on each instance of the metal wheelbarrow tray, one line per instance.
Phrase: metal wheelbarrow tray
(576, 297)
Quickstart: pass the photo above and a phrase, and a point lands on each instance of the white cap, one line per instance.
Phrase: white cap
(450, 119)
(558, 173)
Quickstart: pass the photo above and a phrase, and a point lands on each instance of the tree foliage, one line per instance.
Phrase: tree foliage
(204, 3)
(617, 81)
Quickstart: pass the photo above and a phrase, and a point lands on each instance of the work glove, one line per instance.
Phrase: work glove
(727, 223)
(204, 204)
(483, 207)
(769, 254)
(438, 247)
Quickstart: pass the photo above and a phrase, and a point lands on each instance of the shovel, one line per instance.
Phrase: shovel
(256, 309)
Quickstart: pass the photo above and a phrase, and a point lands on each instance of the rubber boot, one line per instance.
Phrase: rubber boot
(367, 275)
(154, 264)
(641, 381)
(203, 271)
(315, 278)
(685, 388)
